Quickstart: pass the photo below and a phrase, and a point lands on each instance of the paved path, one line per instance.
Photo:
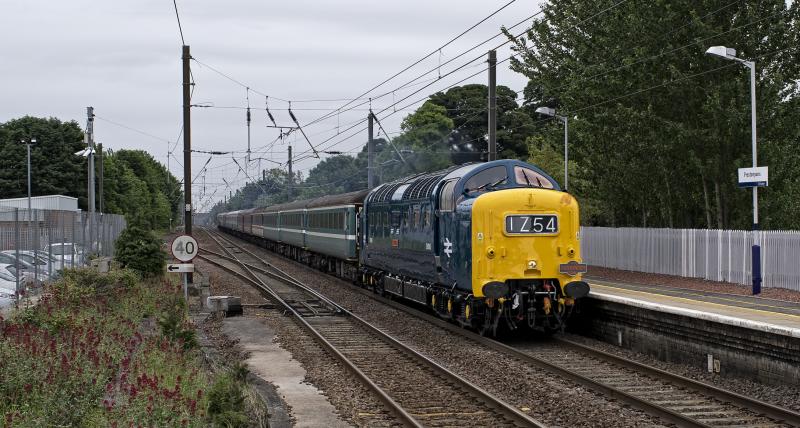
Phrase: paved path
(275, 365)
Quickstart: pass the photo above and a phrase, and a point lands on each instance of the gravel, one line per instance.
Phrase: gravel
(544, 396)
(689, 283)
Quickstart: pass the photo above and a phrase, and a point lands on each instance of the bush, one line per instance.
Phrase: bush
(174, 324)
(226, 400)
(140, 250)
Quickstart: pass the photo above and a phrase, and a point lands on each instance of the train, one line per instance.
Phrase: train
(493, 246)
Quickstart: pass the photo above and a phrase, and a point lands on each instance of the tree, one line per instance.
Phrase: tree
(467, 106)
(142, 189)
(55, 169)
(661, 126)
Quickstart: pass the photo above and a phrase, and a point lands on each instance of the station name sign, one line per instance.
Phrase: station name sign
(754, 177)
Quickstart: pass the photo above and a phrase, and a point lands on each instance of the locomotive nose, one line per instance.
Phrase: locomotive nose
(525, 235)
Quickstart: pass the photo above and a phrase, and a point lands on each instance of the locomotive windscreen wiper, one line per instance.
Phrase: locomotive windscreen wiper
(482, 186)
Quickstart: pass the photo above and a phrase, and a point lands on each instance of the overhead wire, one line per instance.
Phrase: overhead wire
(433, 52)
(180, 28)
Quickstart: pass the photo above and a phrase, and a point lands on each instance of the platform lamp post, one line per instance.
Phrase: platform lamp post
(730, 54)
(548, 111)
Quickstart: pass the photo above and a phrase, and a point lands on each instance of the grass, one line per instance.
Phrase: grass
(104, 350)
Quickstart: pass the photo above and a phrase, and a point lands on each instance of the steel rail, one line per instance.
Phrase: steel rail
(488, 398)
(757, 406)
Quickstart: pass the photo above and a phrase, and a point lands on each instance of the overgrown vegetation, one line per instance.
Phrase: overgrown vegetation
(226, 399)
(105, 350)
(140, 251)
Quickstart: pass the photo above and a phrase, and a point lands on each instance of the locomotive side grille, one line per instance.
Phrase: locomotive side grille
(422, 188)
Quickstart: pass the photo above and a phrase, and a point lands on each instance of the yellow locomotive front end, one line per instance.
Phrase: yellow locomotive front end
(526, 258)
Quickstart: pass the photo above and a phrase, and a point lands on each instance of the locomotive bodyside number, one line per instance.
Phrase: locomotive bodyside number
(531, 224)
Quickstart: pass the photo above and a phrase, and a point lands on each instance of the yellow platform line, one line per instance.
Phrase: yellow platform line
(702, 302)
(703, 295)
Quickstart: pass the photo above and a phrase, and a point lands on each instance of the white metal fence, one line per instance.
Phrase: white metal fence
(718, 255)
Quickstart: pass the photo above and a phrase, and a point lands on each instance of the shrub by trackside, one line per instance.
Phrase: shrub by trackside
(140, 250)
(226, 400)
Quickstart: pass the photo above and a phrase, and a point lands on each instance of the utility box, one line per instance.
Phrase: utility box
(230, 305)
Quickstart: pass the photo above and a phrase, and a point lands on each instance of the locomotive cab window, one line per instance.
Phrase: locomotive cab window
(486, 179)
(530, 178)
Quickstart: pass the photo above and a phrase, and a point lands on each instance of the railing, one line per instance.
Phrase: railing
(718, 255)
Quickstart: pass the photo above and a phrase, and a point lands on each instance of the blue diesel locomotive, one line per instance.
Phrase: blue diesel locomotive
(486, 244)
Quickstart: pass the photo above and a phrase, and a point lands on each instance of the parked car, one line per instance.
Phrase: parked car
(6, 298)
(32, 263)
(49, 264)
(8, 285)
(9, 257)
(30, 272)
(72, 253)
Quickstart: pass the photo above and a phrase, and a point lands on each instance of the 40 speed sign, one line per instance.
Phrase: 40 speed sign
(184, 248)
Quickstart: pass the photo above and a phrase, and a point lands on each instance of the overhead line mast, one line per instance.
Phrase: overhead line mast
(187, 143)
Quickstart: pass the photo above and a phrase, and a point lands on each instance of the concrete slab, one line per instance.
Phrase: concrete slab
(273, 364)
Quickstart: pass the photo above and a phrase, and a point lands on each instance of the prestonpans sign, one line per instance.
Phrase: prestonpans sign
(754, 177)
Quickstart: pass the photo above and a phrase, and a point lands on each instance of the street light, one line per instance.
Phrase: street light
(730, 54)
(28, 234)
(547, 111)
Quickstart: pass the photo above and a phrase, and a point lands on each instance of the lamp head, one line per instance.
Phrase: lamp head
(722, 51)
(547, 111)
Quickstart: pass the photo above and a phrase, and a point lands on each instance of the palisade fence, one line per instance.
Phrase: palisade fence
(35, 245)
(717, 255)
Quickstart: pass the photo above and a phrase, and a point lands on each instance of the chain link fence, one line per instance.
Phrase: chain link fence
(35, 245)
(717, 255)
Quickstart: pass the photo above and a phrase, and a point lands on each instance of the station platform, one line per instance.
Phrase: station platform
(753, 312)
(726, 334)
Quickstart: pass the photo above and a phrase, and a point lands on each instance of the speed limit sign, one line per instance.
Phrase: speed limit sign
(184, 248)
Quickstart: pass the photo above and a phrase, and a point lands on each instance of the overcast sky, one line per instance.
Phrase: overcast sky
(123, 58)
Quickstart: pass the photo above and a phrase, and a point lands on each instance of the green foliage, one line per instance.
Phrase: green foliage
(140, 250)
(226, 401)
(87, 355)
(142, 189)
(662, 127)
(57, 170)
(174, 324)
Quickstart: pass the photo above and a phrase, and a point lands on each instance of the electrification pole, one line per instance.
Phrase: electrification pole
(291, 177)
(492, 105)
(187, 143)
(187, 148)
(370, 152)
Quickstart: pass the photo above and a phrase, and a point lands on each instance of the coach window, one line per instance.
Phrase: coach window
(531, 178)
(446, 201)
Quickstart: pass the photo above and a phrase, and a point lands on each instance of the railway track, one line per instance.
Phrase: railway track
(676, 399)
(416, 390)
